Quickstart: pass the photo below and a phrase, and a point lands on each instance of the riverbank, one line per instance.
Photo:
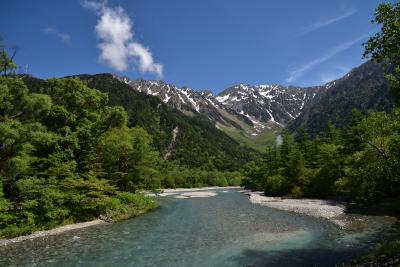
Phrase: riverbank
(323, 209)
(55, 231)
(130, 212)
(128, 206)
(328, 210)
(199, 192)
(342, 215)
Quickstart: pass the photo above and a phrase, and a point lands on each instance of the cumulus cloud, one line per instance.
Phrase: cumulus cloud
(118, 48)
(299, 71)
(62, 36)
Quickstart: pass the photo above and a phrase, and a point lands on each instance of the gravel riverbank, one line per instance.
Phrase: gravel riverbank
(329, 210)
(55, 231)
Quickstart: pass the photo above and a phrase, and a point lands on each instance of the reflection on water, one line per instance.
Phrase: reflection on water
(225, 230)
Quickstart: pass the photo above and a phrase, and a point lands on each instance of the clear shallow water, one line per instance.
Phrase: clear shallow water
(225, 230)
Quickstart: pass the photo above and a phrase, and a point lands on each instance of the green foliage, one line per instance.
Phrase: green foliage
(65, 156)
(360, 163)
(174, 176)
(385, 45)
(7, 66)
(125, 156)
(384, 255)
(198, 145)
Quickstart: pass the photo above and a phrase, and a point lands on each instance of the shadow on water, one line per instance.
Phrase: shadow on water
(293, 257)
(317, 254)
(387, 207)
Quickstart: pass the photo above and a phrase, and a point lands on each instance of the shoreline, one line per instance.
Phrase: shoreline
(331, 211)
(190, 192)
(197, 192)
(54, 231)
(169, 190)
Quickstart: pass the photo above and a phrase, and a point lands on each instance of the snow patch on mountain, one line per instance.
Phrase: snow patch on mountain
(260, 104)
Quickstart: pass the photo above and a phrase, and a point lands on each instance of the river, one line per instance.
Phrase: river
(225, 230)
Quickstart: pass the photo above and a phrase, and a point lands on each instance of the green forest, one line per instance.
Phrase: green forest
(70, 154)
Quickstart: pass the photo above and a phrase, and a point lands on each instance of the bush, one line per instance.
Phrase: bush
(296, 192)
(276, 186)
(127, 205)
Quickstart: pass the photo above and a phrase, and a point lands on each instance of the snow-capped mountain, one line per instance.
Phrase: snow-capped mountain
(185, 99)
(268, 103)
(259, 107)
(254, 109)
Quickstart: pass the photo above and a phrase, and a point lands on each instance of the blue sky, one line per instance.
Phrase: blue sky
(203, 44)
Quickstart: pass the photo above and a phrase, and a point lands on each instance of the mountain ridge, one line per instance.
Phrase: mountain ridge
(250, 110)
(254, 115)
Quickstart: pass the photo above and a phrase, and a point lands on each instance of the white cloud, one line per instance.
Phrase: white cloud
(299, 71)
(324, 23)
(145, 58)
(62, 36)
(118, 48)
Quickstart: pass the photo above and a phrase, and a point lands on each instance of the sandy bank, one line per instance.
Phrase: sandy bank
(178, 190)
(329, 210)
(193, 192)
(55, 231)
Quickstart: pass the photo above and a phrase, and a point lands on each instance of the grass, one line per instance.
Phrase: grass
(259, 142)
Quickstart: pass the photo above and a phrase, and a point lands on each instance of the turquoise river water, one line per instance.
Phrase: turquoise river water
(225, 230)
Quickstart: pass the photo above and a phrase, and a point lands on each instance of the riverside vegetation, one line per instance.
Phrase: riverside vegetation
(69, 153)
(66, 156)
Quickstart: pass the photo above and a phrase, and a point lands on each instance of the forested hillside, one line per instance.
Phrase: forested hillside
(198, 143)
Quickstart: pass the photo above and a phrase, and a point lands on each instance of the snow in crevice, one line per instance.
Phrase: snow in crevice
(211, 102)
(222, 99)
(258, 126)
(167, 98)
(290, 115)
(302, 103)
(181, 98)
(195, 105)
(272, 117)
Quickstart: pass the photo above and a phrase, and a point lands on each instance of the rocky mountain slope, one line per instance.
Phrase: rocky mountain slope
(254, 105)
(247, 112)
(364, 88)
(250, 114)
